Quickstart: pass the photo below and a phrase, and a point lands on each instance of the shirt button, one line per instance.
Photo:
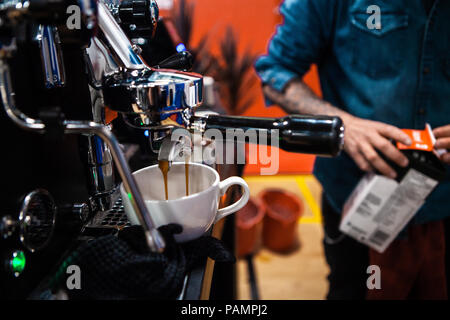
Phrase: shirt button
(422, 111)
(426, 70)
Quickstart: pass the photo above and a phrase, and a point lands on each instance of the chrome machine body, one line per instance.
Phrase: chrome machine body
(45, 109)
(147, 97)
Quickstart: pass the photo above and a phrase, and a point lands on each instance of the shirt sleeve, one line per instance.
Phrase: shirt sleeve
(298, 43)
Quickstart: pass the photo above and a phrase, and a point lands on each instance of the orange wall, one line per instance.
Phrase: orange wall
(254, 21)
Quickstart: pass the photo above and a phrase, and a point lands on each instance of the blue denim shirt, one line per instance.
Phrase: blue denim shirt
(399, 74)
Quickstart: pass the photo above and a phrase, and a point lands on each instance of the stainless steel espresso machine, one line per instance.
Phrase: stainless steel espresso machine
(65, 65)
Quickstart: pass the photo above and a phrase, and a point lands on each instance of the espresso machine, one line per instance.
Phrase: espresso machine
(60, 83)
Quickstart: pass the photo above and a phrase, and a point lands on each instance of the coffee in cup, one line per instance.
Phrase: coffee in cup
(198, 211)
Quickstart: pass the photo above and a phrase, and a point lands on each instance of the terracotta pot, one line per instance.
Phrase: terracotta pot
(283, 209)
(249, 222)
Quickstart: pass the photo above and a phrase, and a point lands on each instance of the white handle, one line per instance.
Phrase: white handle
(238, 205)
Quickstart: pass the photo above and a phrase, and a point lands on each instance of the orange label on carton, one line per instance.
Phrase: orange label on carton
(421, 140)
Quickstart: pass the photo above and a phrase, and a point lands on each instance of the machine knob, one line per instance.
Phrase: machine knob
(139, 17)
(73, 216)
(37, 219)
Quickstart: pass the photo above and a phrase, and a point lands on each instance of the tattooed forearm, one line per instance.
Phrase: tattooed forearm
(298, 98)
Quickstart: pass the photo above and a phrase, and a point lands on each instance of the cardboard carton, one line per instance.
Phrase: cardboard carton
(380, 208)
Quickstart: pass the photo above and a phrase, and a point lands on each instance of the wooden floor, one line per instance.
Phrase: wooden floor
(300, 274)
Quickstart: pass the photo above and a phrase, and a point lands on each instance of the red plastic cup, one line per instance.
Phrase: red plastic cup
(283, 209)
(249, 222)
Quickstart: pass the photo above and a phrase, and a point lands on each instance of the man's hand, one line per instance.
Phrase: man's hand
(442, 135)
(364, 137)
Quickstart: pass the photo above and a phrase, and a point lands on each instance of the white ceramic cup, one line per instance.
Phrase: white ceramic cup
(198, 211)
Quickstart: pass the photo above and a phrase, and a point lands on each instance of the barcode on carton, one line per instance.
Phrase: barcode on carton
(369, 206)
(379, 237)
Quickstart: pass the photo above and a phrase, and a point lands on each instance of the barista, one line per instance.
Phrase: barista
(383, 65)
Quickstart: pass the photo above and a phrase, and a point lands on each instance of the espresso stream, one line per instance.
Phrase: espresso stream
(164, 167)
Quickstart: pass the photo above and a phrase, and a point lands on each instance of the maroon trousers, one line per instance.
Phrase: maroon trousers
(413, 268)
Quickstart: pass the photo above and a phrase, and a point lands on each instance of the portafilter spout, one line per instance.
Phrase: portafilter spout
(177, 146)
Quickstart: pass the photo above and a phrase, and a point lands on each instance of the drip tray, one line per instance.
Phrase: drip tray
(115, 218)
